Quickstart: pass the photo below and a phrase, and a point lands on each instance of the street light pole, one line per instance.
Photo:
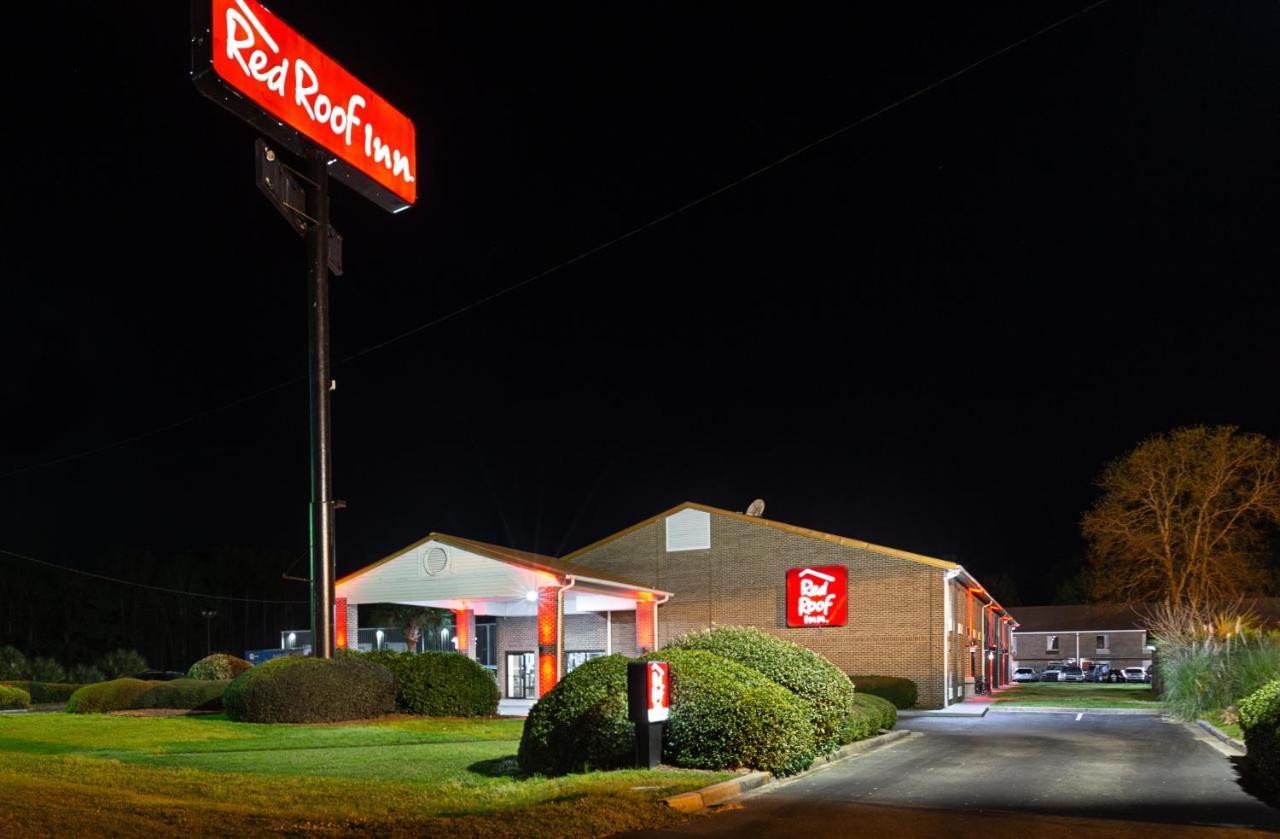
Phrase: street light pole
(208, 642)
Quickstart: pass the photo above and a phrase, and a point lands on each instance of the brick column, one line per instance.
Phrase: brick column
(464, 621)
(550, 638)
(646, 626)
(340, 621)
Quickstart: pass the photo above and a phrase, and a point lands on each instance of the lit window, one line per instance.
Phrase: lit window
(573, 658)
(1051, 644)
(1102, 643)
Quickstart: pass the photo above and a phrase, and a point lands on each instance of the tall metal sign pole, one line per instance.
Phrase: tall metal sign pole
(253, 64)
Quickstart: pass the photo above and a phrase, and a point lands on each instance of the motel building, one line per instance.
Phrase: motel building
(870, 609)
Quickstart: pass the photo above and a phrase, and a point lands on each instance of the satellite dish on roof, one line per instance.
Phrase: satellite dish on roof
(756, 508)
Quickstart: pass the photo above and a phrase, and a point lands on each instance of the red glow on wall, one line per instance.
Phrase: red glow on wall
(546, 674)
(340, 623)
(647, 626)
(818, 596)
(548, 630)
(462, 629)
(287, 76)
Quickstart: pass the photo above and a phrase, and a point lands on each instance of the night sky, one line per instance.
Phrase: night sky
(929, 332)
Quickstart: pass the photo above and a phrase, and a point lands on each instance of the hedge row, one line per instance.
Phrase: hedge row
(1260, 720)
(104, 697)
(11, 698)
(901, 692)
(870, 716)
(303, 689)
(44, 693)
(811, 677)
(439, 684)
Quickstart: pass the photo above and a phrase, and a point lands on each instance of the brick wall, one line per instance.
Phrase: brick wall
(1127, 648)
(896, 619)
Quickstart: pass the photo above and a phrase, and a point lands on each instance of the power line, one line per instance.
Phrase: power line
(148, 586)
(635, 231)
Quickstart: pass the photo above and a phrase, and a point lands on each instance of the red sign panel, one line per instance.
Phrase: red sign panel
(658, 690)
(818, 596)
(266, 61)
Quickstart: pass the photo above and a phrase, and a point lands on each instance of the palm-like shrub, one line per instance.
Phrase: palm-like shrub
(85, 674)
(46, 670)
(13, 664)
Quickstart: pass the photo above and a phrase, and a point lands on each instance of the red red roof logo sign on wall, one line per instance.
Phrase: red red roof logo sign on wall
(265, 61)
(818, 596)
(658, 678)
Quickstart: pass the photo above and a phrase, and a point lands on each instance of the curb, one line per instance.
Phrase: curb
(698, 800)
(1134, 712)
(927, 714)
(1222, 735)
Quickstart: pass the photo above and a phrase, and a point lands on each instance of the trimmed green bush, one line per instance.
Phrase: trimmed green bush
(85, 674)
(218, 666)
(901, 692)
(808, 675)
(46, 670)
(723, 715)
(104, 697)
(582, 723)
(1260, 720)
(304, 689)
(439, 684)
(44, 693)
(13, 664)
(11, 698)
(185, 694)
(121, 662)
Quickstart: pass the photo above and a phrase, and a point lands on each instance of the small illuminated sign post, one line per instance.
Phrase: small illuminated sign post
(255, 65)
(648, 706)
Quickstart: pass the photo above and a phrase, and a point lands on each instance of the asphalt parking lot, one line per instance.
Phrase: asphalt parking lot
(1069, 774)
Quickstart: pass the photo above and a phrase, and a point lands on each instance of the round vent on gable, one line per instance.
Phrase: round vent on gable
(435, 561)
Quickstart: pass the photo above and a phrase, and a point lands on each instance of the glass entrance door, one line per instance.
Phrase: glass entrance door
(521, 676)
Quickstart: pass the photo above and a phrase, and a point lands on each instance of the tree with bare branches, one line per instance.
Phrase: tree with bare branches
(1184, 518)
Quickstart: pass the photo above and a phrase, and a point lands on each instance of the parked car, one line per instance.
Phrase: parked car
(1071, 674)
(1024, 674)
(1135, 674)
(1099, 673)
(1050, 674)
(158, 675)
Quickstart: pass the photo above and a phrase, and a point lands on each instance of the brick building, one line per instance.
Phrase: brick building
(532, 618)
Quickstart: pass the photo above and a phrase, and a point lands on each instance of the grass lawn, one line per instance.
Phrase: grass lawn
(1231, 729)
(1080, 695)
(168, 776)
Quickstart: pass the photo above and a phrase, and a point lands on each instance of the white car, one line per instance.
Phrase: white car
(1071, 674)
(1135, 674)
(1050, 674)
(1025, 674)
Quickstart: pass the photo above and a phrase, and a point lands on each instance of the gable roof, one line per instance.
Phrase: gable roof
(511, 556)
(794, 530)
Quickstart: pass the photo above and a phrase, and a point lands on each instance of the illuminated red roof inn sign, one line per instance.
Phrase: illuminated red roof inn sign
(818, 596)
(259, 63)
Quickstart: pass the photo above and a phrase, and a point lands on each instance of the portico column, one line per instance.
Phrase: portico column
(550, 638)
(345, 628)
(464, 622)
(646, 626)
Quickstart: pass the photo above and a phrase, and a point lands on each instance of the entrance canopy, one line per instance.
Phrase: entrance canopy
(449, 572)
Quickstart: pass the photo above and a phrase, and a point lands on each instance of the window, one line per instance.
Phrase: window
(575, 657)
(1051, 644)
(1102, 643)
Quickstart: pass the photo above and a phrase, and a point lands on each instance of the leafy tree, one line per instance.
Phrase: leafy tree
(13, 664)
(46, 670)
(85, 674)
(1184, 518)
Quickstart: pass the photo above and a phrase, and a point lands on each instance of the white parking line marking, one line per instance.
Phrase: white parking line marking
(1079, 715)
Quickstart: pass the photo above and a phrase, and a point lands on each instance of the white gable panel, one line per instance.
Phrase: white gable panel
(688, 530)
(465, 575)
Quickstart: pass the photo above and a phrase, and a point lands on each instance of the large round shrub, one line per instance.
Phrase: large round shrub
(439, 684)
(217, 667)
(13, 664)
(11, 698)
(810, 676)
(901, 692)
(302, 689)
(1260, 720)
(104, 697)
(582, 723)
(184, 694)
(723, 715)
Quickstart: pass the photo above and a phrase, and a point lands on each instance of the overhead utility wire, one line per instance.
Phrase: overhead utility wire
(149, 586)
(654, 222)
